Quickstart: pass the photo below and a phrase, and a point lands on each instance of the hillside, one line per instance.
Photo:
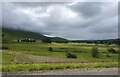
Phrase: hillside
(58, 39)
(12, 34)
(9, 35)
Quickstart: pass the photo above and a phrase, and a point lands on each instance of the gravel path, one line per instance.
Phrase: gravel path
(82, 71)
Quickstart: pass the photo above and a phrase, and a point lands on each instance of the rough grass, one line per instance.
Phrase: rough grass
(83, 52)
(53, 66)
(55, 46)
(19, 56)
(38, 57)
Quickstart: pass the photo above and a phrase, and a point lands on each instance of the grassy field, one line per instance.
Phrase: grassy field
(36, 56)
(53, 66)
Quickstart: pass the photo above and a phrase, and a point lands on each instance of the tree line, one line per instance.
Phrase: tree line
(49, 40)
(110, 41)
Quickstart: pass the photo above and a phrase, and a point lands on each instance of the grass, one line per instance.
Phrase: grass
(34, 56)
(59, 50)
(53, 66)
(72, 47)
(56, 47)
(20, 61)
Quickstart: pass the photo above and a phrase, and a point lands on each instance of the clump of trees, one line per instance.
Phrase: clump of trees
(46, 40)
(71, 55)
(95, 52)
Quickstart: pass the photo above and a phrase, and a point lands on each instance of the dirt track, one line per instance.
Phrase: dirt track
(83, 71)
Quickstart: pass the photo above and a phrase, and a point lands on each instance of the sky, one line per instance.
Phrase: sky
(70, 20)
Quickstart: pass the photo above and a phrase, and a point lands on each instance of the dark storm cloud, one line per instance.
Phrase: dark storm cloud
(102, 27)
(82, 20)
(87, 9)
(18, 20)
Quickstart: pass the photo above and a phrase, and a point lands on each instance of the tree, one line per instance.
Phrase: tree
(94, 52)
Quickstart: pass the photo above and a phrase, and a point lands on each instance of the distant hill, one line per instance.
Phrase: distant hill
(59, 39)
(13, 34)
(10, 35)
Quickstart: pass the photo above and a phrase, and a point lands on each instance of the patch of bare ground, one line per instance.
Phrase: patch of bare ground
(27, 58)
(19, 57)
(42, 59)
(81, 71)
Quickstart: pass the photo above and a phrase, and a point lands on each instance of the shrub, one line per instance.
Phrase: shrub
(94, 52)
(108, 55)
(71, 55)
(111, 50)
(4, 48)
(50, 49)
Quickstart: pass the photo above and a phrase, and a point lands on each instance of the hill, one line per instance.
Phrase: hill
(59, 39)
(9, 34)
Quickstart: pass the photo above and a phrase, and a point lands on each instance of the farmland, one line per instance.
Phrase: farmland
(59, 53)
(36, 56)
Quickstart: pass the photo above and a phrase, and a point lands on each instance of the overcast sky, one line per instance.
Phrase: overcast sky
(75, 20)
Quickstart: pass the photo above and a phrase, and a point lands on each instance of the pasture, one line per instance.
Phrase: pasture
(35, 55)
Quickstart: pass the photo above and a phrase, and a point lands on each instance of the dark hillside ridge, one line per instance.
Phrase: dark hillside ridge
(21, 34)
(13, 34)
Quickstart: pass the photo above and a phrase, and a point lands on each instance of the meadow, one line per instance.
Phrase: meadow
(37, 56)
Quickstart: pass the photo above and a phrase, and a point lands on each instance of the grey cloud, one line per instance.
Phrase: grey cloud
(0, 14)
(17, 20)
(103, 27)
(87, 9)
(95, 23)
(37, 4)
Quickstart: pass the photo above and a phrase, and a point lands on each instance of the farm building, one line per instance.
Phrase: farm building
(26, 40)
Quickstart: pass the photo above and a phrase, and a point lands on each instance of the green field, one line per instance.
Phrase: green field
(54, 66)
(20, 56)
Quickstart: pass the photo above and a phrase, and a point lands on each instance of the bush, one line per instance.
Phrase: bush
(94, 52)
(4, 48)
(50, 49)
(111, 50)
(71, 55)
(108, 55)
